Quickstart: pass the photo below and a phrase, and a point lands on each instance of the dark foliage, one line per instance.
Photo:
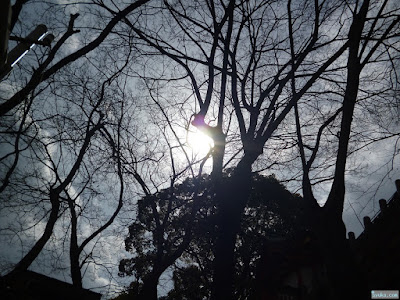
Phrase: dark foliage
(163, 218)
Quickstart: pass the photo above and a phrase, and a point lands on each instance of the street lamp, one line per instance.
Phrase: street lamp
(39, 35)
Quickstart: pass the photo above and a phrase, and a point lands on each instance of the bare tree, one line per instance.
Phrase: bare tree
(74, 165)
(235, 70)
(54, 196)
(256, 61)
(368, 38)
(38, 136)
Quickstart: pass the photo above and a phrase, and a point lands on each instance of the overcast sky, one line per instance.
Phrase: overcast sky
(374, 181)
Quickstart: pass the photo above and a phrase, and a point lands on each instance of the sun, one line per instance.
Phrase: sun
(199, 142)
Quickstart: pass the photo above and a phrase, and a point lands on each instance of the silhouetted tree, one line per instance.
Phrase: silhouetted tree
(162, 232)
(367, 39)
(235, 70)
(71, 165)
(249, 65)
(65, 118)
(160, 235)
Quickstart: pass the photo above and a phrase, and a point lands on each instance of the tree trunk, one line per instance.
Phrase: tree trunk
(28, 259)
(75, 268)
(74, 249)
(346, 281)
(149, 288)
(232, 199)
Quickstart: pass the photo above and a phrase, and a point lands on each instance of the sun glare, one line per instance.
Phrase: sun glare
(199, 142)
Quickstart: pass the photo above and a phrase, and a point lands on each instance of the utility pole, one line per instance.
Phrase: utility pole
(5, 22)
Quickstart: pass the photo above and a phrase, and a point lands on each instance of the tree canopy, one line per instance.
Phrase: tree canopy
(165, 217)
